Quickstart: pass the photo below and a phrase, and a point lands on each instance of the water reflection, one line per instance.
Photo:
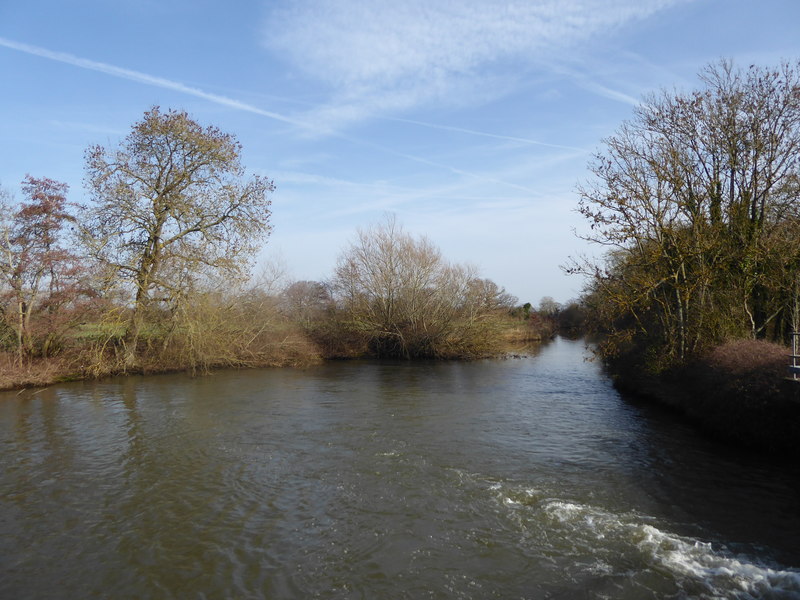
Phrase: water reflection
(524, 477)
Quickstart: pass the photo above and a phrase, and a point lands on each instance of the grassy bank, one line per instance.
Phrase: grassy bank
(99, 353)
(737, 392)
(293, 351)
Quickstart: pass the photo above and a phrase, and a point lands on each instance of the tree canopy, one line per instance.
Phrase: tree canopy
(697, 199)
(40, 275)
(170, 204)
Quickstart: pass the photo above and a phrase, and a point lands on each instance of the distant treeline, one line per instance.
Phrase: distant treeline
(152, 274)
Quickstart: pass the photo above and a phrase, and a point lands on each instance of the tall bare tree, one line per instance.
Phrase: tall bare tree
(170, 203)
(694, 196)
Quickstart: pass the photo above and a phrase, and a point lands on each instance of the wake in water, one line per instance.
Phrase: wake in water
(627, 556)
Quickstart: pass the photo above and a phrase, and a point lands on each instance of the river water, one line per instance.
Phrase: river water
(521, 478)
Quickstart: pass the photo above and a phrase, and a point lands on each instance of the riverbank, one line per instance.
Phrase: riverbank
(293, 350)
(39, 373)
(250, 483)
(738, 392)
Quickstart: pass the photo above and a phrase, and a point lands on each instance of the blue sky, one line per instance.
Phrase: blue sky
(472, 121)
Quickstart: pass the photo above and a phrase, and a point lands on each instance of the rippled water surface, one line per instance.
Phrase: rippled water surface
(519, 478)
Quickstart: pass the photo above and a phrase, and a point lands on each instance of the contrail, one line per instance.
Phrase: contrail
(607, 92)
(140, 77)
(484, 134)
(454, 170)
(161, 82)
(597, 88)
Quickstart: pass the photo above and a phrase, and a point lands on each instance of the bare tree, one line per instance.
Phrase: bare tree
(399, 292)
(169, 205)
(693, 196)
(548, 306)
(306, 302)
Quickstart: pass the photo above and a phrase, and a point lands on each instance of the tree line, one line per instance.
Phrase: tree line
(696, 200)
(153, 271)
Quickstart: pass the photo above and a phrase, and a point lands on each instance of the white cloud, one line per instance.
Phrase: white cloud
(384, 55)
(139, 77)
(156, 81)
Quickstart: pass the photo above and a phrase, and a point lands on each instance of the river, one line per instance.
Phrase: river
(520, 478)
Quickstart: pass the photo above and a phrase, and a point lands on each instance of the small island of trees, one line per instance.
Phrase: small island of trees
(153, 274)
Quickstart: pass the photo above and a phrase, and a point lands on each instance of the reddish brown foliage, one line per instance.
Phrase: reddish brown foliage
(743, 357)
(739, 390)
(40, 276)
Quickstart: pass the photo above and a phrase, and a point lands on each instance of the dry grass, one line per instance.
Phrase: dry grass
(30, 373)
(203, 347)
(521, 332)
(742, 377)
(747, 358)
(739, 391)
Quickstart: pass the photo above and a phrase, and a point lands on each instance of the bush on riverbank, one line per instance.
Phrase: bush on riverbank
(282, 345)
(394, 295)
(738, 391)
(245, 329)
(32, 373)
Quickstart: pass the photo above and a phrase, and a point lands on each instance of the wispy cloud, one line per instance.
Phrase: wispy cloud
(371, 198)
(387, 56)
(146, 79)
(504, 187)
(152, 80)
(605, 91)
(161, 82)
(484, 134)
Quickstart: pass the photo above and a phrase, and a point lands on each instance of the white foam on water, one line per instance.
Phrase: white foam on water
(603, 543)
(738, 576)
